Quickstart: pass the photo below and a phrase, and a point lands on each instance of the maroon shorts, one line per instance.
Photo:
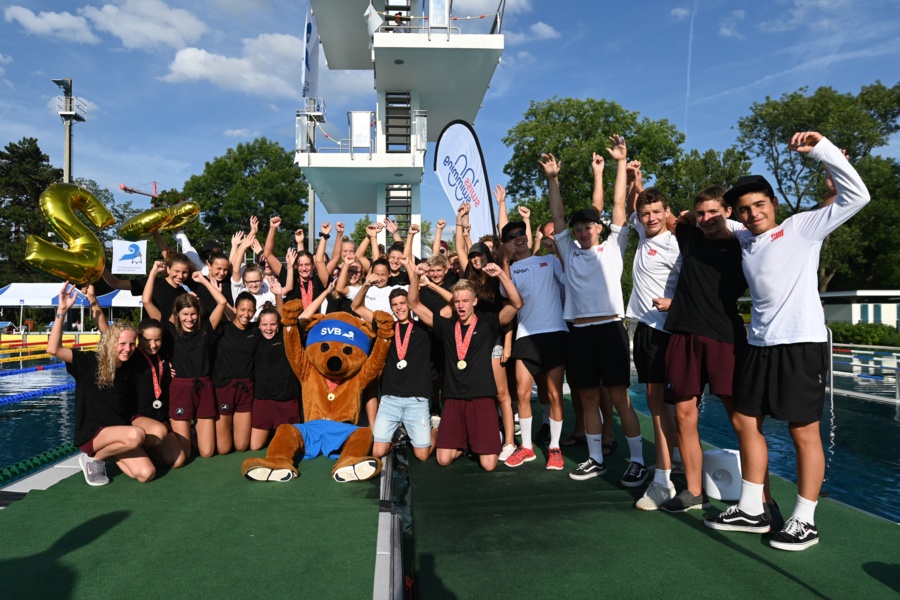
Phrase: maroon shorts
(694, 360)
(191, 398)
(88, 446)
(269, 414)
(474, 421)
(236, 397)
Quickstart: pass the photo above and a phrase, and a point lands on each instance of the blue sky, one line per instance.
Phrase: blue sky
(170, 85)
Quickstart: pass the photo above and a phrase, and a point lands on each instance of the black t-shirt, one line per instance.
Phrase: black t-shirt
(96, 408)
(414, 380)
(206, 298)
(235, 350)
(709, 285)
(401, 278)
(477, 379)
(145, 391)
(164, 294)
(296, 294)
(189, 352)
(273, 377)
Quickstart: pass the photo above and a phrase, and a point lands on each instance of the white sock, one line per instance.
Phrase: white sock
(525, 425)
(676, 455)
(545, 414)
(662, 477)
(636, 448)
(555, 432)
(751, 498)
(595, 446)
(805, 510)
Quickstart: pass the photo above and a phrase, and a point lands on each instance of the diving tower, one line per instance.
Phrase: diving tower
(426, 73)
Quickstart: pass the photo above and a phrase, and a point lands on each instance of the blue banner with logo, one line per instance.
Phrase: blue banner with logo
(459, 165)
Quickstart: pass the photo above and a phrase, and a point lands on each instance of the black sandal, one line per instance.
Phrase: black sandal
(575, 440)
(610, 447)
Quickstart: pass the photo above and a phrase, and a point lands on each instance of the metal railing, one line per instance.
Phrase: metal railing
(852, 355)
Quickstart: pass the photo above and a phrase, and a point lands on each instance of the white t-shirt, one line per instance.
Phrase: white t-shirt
(657, 264)
(378, 298)
(781, 265)
(594, 275)
(538, 279)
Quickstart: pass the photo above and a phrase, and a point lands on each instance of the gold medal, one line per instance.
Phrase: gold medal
(330, 397)
(461, 365)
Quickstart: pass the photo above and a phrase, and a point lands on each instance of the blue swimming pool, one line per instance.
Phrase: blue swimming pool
(862, 439)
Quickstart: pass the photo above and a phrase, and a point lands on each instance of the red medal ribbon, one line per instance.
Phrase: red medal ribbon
(462, 345)
(157, 390)
(306, 293)
(332, 385)
(403, 343)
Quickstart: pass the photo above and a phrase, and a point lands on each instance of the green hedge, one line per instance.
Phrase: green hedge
(869, 334)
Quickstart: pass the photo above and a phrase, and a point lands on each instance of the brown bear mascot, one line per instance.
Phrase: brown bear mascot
(334, 369)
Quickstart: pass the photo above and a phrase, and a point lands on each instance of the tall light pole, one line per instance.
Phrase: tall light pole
(70, 111)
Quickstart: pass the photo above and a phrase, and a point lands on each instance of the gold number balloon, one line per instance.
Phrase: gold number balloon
(84, 260)
(142, 226)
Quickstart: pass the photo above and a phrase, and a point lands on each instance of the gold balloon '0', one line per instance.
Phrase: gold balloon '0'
(142, 226)
(84, 261)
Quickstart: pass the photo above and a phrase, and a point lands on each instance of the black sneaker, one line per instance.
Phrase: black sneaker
(587, 469)
(635, 475)
(684, 502)
(732, 519)
(796, 535)
(774, 515)
(543, 435)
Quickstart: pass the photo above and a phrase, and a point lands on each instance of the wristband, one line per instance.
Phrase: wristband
(324, 236)
(59, 316)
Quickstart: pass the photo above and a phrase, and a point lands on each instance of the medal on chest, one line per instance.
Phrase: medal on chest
(402, 343)
(332, 385)
(462, 345)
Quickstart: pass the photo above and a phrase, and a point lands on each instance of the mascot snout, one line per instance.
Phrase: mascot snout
(335, 364)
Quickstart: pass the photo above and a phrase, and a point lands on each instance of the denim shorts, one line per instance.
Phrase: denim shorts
(411, 411)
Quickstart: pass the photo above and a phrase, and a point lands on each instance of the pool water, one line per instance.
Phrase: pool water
(861, 439)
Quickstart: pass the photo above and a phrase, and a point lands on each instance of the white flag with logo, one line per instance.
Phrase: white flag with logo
(309, 78)
(459, 165)
(129, 258)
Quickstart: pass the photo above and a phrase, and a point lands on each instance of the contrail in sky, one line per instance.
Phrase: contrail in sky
(687, 93)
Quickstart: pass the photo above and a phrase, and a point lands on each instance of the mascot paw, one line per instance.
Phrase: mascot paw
(267, 469)
(384, 324)
(290, 312)
(361, 471)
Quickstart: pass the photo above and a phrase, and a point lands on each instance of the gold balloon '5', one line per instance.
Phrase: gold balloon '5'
(83, 262)
(147, 223)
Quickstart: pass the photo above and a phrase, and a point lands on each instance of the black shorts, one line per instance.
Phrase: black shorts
(541, 352)
(599, 352)
(786, 382)
(649, 352)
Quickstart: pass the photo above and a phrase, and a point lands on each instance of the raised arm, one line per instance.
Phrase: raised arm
(290, 260)
(188, 250)
(597, 165)
(96, 312)
(635, 185)
(316, 304)
(67, 296)
(113, 281)
(215, 317)
(300, 239)
(462, 250)
(343, 280)
(438, 236)
(269, 247)
(161, 244)
(147, 297)
(319, 259)
(525, 213)
(412, 299)
(393, 229)
(410, 236)
(550, 166)
(336, 250)
(502, 213)
(619, 153)
(508, 312)
(360, 298)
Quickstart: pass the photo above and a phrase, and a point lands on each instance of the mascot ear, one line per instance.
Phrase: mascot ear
(312, 321)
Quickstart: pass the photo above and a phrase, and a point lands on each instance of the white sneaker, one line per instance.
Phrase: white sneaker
(507, 451)
(94, 470)
(655, 495)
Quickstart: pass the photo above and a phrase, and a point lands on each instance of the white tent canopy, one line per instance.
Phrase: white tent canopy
(46, 295)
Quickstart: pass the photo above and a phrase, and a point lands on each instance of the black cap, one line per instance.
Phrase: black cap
(585, 214)
(746, 185)
(512, 225)
(479, 248)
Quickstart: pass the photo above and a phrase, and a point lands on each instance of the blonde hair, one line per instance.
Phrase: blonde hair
(106, 353)
(463, 285)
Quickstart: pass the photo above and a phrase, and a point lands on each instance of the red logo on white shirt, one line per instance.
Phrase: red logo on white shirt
(652, 252)
(543, 264)
(777, 235)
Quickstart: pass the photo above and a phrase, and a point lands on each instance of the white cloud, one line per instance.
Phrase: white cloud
(536, 32)
(5, 60)
(815, 15)
(679, 14)
(728, 24)
(147, 24)
(241, 133)
(62, 25)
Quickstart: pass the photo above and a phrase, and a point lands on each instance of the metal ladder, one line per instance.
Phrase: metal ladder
(397, 122)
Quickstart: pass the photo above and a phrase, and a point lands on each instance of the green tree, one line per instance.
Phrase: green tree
(572, 129)
(359, 229)
(25, 172)
(259, 179)
(694, 171)
(857, 124)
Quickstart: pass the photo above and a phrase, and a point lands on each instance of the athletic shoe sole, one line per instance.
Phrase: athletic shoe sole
(793, 547)
(744, 528)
